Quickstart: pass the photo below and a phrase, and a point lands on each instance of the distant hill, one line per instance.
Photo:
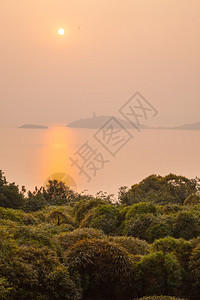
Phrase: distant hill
(192, 126)
(96, 122)
(33, 126)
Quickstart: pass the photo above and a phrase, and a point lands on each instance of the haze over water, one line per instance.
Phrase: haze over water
(29, 157)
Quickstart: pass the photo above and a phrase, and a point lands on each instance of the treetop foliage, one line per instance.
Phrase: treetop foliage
(58, 244)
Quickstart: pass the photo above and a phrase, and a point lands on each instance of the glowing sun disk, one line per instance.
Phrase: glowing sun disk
(61, 31)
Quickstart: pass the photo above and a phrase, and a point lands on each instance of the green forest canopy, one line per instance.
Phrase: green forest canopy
(58, 244)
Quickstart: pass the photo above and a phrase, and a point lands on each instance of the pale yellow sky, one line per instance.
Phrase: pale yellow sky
(111, 49)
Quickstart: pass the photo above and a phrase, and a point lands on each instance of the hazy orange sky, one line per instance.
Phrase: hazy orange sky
(111, 49)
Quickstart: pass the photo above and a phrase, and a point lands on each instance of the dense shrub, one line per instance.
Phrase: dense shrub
(158, 274)
(105, 268)
(186, 226)
(104, 217)
(192, 199)
(170, 189)
(194, 266)
(141, 208)
(123, 252)
(59, 218)
(66, 240)
(5, 288)
(160, 228)
(181, 249)
(34, 202)
(134, 246)
(170, 208)
(139, 226)
(17, 216)
(10, 196)
(82, 207)
(29, 235)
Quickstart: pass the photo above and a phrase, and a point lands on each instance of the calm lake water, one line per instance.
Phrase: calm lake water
(30, 156)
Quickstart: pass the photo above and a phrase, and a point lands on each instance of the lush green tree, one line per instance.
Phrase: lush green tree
(123, 196)
(59, 217)
(143, 220)
(5, 289)
(108, 198)
(139, 226)
(160, 227)
(186, 225)
(36, 273)
(32, 235)
(61, 286)
(133, 245)
(163, 190)
(10, 196)
(192, 199)
(57, 193)
(109, 258)
(34, 202)
(181, 249)
(104, 217)
(68, 239)
(194, 266)
(82, 207)
(17, 216)
(105, 268)
(20, 276)
(180, 187)
(158, 274)
(141, 208)
(170, 208)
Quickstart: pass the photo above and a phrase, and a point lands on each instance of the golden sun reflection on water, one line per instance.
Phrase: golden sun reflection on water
(55, 158)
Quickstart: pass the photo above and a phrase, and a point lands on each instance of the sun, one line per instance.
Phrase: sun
(61, 31)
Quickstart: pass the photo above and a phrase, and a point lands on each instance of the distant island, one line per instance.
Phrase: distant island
(96, 122)
(33, 126)
(192, 126)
